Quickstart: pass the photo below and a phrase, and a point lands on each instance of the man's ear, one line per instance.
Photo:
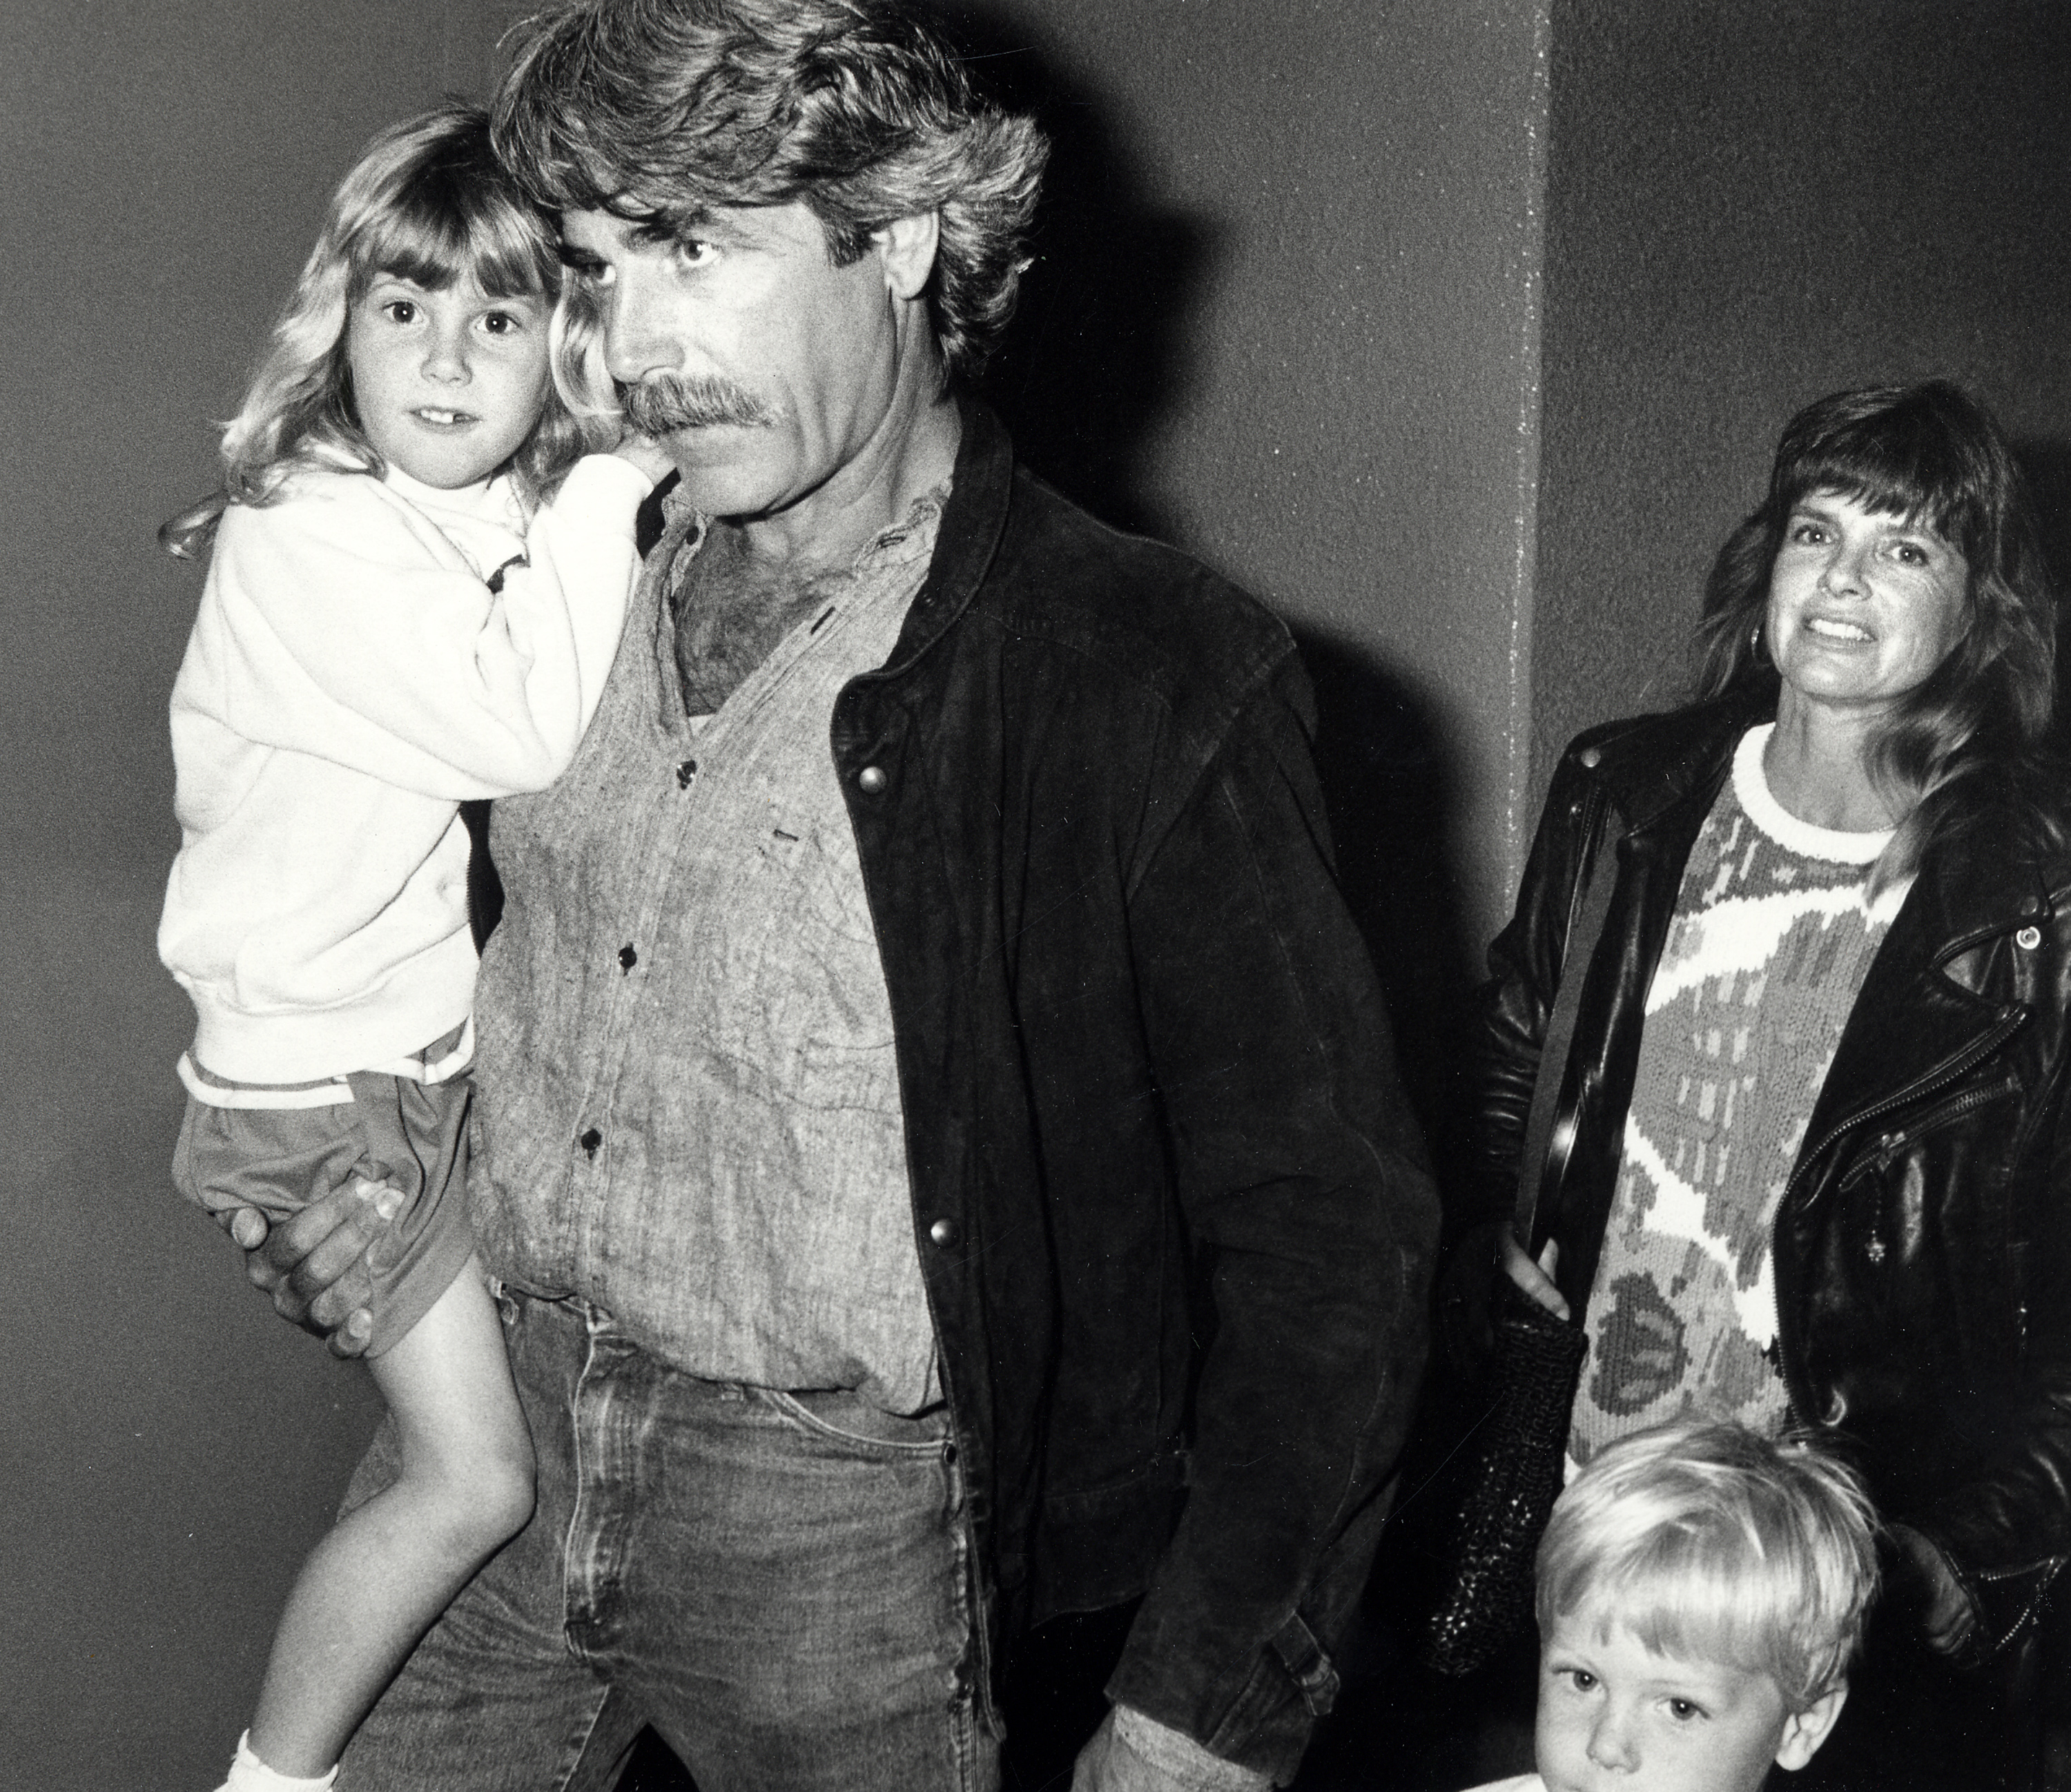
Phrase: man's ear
(906, 246)
(1803, 1731)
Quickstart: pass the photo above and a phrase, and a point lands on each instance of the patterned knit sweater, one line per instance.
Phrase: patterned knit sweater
(1772, 934)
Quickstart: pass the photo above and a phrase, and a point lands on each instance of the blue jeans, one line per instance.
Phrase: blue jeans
(780, 1583)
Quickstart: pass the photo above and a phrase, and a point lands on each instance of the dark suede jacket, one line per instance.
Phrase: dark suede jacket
(1922, 1250)
(1174, 1215)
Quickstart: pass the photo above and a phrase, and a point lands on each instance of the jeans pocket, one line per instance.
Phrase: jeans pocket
(849, 1419)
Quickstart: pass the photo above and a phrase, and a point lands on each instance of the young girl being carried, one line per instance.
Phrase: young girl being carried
(418, 582)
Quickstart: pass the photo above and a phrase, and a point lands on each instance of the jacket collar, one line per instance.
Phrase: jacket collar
(1993, 882)
(972, 521)
(1921, 1019)
(1651, 764)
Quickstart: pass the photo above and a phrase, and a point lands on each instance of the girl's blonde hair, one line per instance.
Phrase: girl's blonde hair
(427, 200)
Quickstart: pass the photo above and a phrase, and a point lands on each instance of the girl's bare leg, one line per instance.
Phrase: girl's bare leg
(375, 1583)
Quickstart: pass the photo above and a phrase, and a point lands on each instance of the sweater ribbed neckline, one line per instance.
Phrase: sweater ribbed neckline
(1836, 846)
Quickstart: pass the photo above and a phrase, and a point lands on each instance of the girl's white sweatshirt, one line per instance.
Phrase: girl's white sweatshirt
(350, 680)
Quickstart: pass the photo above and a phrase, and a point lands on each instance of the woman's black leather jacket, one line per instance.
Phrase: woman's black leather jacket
(1923, 1247)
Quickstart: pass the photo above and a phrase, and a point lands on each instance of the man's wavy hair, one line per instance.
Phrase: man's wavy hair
(427, 200)
(660, 110)
(1932, 454)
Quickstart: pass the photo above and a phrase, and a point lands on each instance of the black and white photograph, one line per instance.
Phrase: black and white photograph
(1035, 896)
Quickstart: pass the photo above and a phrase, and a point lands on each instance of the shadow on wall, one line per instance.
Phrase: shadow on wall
(1096, 358)
(2048, 467)
(1394, 807)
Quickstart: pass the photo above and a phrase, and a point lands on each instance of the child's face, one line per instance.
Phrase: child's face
(1614, 1714)
(448, 384)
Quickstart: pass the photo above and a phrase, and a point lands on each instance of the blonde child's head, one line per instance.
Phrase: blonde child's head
(1701, 1592)
(426, 203)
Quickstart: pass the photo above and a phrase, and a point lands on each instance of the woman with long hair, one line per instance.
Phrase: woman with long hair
(1805, 1163)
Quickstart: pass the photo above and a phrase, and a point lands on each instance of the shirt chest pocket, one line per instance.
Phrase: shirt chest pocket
(806, 876)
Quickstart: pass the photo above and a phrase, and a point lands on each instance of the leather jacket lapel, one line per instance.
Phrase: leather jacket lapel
(1916, 1028)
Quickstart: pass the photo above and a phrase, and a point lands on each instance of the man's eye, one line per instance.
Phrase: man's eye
(693, 251)
(1583, 1680)
(1683, 1711)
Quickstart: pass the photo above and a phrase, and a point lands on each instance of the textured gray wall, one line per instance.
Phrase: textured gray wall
(1750, 205)
(1311, 360)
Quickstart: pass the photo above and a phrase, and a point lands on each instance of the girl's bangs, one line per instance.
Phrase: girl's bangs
(501, 249)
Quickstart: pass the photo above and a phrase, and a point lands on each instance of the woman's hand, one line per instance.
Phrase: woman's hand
(1535, 1279)
(1945, 1614)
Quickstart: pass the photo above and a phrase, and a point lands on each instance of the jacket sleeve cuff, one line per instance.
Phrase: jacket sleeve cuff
(1266, 1729)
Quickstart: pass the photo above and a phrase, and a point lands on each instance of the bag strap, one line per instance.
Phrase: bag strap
(1585, 929)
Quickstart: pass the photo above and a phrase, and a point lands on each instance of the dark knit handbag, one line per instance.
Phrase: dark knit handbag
(1520, 1445)
(1519, 1442)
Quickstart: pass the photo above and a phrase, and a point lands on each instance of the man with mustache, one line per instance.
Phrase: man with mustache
(941, 1148)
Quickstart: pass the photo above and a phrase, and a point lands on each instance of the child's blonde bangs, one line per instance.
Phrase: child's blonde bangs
(427, 201)
(1697, 1605)
(1709, 1543)
(442, 239)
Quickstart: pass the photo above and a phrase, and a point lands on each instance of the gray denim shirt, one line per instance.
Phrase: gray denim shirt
(689, 1105)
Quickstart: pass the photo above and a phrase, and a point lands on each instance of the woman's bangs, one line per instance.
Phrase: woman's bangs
(1919, 479)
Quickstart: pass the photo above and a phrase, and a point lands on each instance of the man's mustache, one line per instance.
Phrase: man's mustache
(664, 403)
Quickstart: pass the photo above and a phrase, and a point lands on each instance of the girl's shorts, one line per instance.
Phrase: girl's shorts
(387, 1128)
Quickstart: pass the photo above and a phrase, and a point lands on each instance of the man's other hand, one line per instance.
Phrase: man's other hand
(313, 1265)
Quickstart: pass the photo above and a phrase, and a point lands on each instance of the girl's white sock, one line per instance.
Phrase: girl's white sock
(249, 1773)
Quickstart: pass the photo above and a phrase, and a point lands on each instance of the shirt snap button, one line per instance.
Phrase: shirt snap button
(2028, 938)
(685, 773)
(589, 1141)
(872, 778)
(627, 957)
(944, 1232)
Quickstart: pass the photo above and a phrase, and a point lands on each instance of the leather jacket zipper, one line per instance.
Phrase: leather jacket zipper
(1946, 1073)
(1892, 1143)
(1560, 1142)
(1940, 1078)
(1594, 802)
